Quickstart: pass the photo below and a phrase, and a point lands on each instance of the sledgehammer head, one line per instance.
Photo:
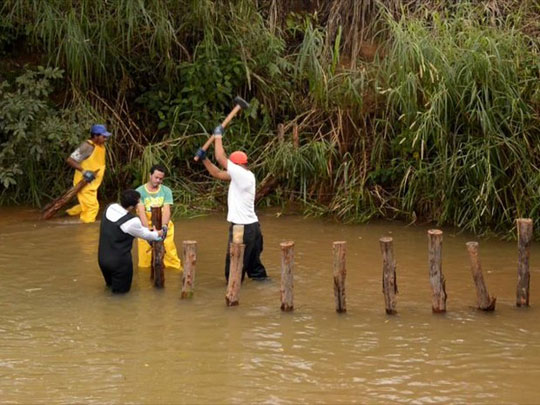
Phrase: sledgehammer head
(241, 102)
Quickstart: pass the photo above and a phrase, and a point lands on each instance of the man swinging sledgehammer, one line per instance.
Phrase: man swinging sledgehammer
(240, 203)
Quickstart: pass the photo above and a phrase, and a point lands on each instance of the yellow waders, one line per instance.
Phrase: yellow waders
(88, 206)
(171, 255)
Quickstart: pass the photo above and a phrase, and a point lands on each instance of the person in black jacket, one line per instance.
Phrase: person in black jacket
(118, 229)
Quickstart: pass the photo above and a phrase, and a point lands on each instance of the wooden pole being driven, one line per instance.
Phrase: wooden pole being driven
(484, 301)
(235, 274)
(340, 273)
(436, 277)
(236, 250)
(287, 265)
(189, 255)
(525, 233)
(389, 280)
(158, 251)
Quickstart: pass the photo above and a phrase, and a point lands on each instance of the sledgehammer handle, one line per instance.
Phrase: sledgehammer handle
(225, 122)
(231, 115)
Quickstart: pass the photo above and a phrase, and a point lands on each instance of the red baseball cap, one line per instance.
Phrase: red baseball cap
(238, 157)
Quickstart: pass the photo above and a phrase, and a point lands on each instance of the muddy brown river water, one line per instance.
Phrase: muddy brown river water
(65, 339)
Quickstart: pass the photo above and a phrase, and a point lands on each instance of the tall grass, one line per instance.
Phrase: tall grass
(415, 110)
(460, 94)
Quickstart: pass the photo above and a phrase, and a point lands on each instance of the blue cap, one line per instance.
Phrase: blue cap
(99, 129)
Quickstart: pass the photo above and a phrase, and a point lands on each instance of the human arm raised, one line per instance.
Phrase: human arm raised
(215, 171)
(221, 156)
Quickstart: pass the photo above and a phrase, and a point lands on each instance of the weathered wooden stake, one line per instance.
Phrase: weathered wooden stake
(235, 273)
(340, 273)
(525, 233)
(389, 275)
(189, 254)
(287, 265)
(238, 234)
(296, 139)
(54, 206)
(484, 301)
(436, 277)
(158, 251)
(281, 132)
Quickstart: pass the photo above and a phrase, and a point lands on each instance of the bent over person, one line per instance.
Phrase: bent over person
(117, 230)
(88, 160)
(240, 203)
(155, 194)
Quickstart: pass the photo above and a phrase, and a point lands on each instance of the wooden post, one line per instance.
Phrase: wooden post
(525, 233)
(287, 265)
(54, 206)
(340, 273)
(389, 275)
(238, 233)
(158, 251)
(436, 277)
(296, 139)
(281, 132)
(189, 254)
(484, 301)
(235, 273)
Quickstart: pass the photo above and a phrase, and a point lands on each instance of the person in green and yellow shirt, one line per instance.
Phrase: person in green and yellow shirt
(88, 160)
(155, 194)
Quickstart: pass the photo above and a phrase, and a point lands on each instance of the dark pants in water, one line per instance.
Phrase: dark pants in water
(117, 274)
(253, 240)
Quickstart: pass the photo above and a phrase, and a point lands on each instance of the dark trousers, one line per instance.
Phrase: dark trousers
(253, 240)
(117, 274)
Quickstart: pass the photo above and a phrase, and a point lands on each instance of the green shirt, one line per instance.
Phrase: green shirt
(158, 198)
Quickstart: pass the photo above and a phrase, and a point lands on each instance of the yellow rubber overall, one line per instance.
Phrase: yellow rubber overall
(171, 255)
(88, 206)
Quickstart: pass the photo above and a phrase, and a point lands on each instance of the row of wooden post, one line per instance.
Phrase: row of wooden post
(389, 280)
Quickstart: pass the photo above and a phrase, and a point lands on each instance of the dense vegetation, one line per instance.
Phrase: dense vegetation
(412, 110)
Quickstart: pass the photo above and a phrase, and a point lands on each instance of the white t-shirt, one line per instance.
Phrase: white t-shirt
(241, 197)
(133, 226)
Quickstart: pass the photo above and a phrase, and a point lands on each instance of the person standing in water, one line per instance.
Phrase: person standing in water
(88, 160)
(240, 203)
(117, 230)
(155, 194)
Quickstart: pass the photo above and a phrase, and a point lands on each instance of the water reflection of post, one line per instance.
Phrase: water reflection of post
(287, 264)
(436, 277)
(485, 302)
(158, 251)
(340, 273)
(389, 275)
(189, 253)
(236, 266)
(525, 232)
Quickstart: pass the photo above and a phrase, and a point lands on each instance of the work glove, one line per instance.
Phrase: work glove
(164, 228)
(218, 131)
(89, 175)
(201, 154)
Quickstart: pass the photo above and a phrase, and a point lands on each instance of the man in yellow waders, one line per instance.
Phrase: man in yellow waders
(88, 160)
(155, 194)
